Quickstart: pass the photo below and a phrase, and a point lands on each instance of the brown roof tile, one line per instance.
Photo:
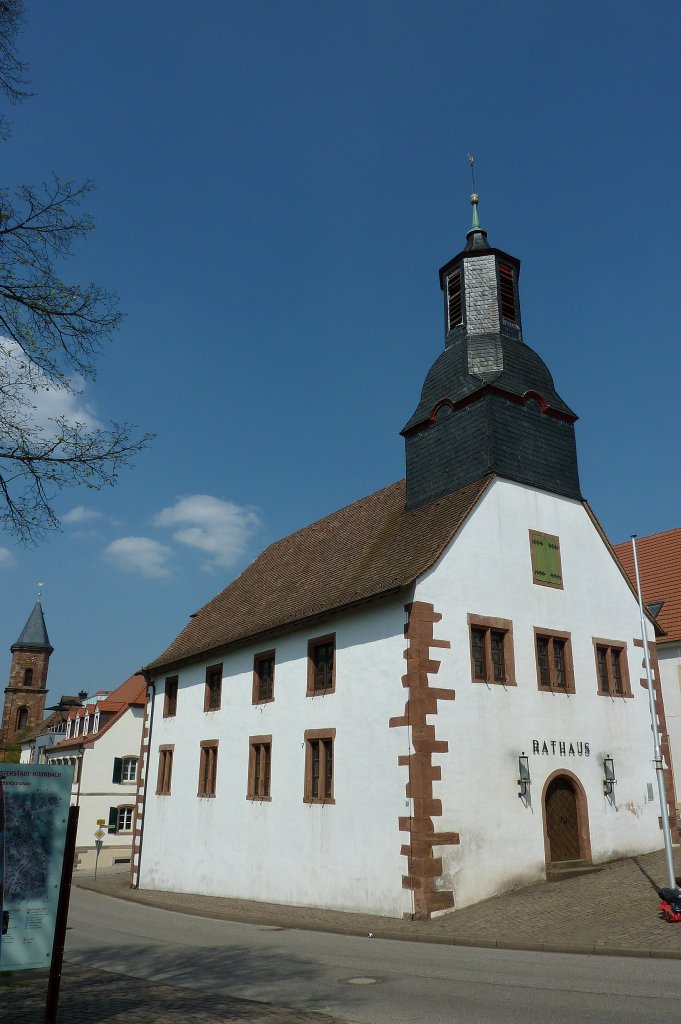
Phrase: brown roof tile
(659, 562)
(364, 550)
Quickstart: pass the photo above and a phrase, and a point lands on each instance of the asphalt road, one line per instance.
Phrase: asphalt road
(369, 980)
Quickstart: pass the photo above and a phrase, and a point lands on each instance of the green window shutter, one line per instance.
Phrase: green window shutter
(552, 564)
(113, 818)
(117, 769)
(546, 567)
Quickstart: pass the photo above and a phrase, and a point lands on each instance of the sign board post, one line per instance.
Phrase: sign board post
(99, 837)
(34, 808)
(54, 982)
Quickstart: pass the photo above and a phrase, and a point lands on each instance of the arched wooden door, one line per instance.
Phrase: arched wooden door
(562, 826)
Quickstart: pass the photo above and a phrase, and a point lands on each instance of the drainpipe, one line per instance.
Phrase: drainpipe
(659, 769)
(150, 685)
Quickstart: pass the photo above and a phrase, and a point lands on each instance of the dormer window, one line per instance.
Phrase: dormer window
(507, 293)
(454, 300)
(68, 728)
(77, 731)
(86, 725)
(95, 727)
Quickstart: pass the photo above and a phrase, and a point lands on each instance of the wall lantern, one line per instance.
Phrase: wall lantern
(524, 780)
(609, 773)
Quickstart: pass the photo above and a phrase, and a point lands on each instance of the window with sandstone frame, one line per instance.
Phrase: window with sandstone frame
(170, 697)
(263, 677)
(553, 652)
(165, 769)
(319, 766)
(491, 649)
(208, 768)
(321, 665)
(212, 698)
(612, 668)
(259, 768)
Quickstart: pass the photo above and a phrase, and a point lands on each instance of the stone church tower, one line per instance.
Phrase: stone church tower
(27, 690)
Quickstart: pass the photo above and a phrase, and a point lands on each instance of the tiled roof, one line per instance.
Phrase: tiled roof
(659, 562)
(132, 692)
(45, 725)
(367, 549)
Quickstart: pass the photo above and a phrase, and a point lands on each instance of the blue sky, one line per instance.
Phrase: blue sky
(277, 185)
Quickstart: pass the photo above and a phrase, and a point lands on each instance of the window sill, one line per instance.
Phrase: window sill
(318, 800)
(259, 799)
(614, 696)
(320, 693)
(268, 700)
(206, 796)
(494, 682)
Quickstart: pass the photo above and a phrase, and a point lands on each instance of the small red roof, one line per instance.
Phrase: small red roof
(132, 692)
(659, 562)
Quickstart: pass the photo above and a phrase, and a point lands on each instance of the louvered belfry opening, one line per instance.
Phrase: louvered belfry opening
(454, 300)
(507, 293)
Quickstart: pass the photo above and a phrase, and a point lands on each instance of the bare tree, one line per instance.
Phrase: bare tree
(51, 333)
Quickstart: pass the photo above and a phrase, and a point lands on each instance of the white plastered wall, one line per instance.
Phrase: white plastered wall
(487, 571)
(344, 855)
(97, 792)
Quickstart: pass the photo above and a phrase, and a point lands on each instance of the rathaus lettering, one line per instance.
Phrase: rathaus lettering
(561, 747)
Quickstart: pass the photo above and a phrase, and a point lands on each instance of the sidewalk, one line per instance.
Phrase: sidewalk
(611, 912)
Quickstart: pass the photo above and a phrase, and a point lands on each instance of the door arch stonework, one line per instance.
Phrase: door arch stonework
(563, 796)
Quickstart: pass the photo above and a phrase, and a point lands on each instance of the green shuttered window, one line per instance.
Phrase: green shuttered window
(546, 564)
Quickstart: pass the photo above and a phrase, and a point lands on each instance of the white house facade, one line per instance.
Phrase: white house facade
(102, 743)
(430, 696)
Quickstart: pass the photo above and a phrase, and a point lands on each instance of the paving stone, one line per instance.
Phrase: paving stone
(614, 908)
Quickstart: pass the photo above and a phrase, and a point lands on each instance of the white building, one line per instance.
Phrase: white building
(659, 557)
(102, 742)
(303, 730)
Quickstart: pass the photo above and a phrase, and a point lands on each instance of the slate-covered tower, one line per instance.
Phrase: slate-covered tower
(488, 404)
(25, 695)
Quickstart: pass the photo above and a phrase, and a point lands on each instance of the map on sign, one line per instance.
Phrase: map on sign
(35, 803)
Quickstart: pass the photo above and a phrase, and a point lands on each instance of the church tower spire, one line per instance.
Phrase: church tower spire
(27, 689)
(488, 404)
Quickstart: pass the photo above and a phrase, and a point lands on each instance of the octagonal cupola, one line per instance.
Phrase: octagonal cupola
(480, 288)
(488, 403)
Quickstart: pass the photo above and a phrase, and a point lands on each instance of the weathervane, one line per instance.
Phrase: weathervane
(471, 161)
(40, 589)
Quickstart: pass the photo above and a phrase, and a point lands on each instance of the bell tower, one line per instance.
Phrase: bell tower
(27, 689)
(488, 403)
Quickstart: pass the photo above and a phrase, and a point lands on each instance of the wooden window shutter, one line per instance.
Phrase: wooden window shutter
(113, 819)
(454, 300)
(507, 293)
(546, 564)
(117, 769)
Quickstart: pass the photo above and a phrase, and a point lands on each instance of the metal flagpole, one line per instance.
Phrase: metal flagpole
(659, 770)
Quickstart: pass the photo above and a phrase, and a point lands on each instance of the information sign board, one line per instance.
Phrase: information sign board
(34, 807)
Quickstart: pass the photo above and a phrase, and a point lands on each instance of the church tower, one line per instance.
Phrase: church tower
(488, 404)
(25, 695)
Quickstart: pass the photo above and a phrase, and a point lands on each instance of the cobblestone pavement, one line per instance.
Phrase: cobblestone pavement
(98, 997)
(612, 911)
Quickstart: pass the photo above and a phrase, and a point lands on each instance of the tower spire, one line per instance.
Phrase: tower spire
(476, 238)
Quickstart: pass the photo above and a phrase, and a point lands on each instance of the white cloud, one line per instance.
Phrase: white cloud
(51, 403)
(33, 390)
(6, 557)
(80, 514)
(140, 554)
(219, 528)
